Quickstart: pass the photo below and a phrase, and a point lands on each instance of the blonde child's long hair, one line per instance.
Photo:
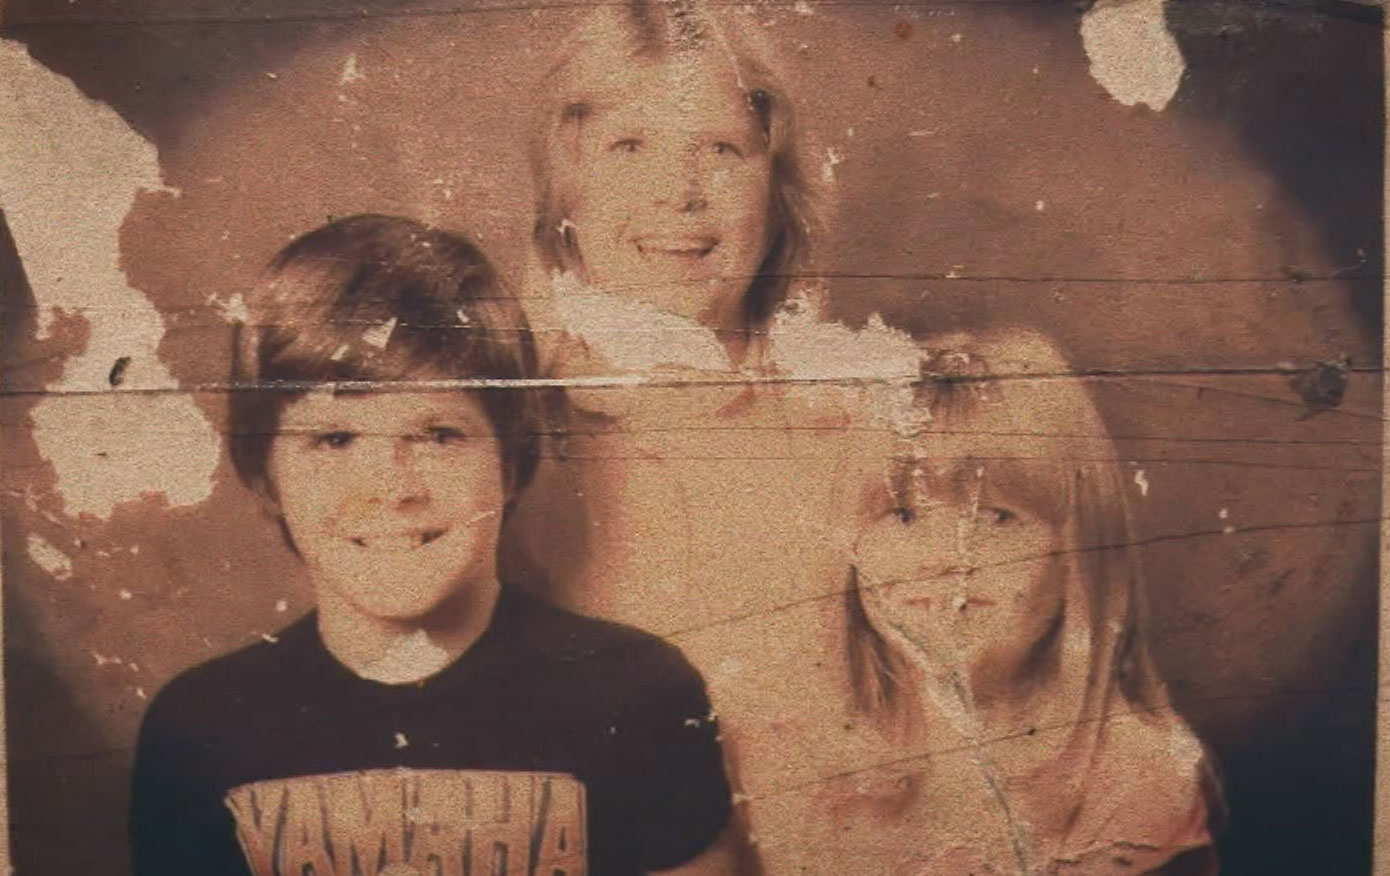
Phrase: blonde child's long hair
(979, 401)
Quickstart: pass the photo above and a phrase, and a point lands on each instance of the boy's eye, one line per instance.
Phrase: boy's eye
(444, 435)
(336, 439)
(904, 514)
(627, 145)
(724, 147)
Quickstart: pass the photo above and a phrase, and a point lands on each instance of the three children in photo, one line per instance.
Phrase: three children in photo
(439, 714)
(429, 715)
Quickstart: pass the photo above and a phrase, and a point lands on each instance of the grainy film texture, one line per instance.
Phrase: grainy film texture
(708, 437)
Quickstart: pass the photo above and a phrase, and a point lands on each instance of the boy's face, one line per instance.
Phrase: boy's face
(673, 193)
(394, 500)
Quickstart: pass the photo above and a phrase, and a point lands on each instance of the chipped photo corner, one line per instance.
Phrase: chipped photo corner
(624, 437)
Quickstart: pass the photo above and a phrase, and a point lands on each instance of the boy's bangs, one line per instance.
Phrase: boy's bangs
(383, 353)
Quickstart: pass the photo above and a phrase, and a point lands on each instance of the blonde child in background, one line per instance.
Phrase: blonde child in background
(692, 492)
(995, 641)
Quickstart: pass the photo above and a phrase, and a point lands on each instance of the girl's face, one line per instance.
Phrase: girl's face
(673, 192)
(958, 561)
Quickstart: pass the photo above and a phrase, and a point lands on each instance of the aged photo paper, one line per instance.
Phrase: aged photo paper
(691, 436)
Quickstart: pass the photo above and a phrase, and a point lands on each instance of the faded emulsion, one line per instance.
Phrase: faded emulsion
(708, 438)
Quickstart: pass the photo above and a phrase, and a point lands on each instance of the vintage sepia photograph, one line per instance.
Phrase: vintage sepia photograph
(700, 437)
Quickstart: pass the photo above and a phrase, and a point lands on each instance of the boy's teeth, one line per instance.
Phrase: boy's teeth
(407, 541)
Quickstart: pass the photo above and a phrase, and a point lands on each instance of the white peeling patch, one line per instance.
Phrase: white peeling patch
(1133, 55)
(131, 446)
(803, 8)
(1141, 480)
(1225, 514)
(408, 659)
(125, 595)
(1184, 749)
(70, 169)
(232, 309)
(401, 741)
(351, 73)
(1040, 205)
(282, 605)
(833, 159)
(807, 347)
(380, 335)
(634, 336)
(47, 557)
(269, 639)
(872, 367)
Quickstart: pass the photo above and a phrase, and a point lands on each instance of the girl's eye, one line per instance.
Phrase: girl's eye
(444, 435)
(996, 516)
(724, 147)
(335, 440)
(904, 515)
(626, 146)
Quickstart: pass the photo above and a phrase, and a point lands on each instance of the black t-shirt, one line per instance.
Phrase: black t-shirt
(556, 744)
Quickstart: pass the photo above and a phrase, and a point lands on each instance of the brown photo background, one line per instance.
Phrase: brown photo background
(1214, 266)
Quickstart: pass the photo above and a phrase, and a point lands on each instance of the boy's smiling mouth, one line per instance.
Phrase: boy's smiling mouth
(398, 541)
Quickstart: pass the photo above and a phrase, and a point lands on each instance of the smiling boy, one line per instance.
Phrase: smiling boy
(426, 718)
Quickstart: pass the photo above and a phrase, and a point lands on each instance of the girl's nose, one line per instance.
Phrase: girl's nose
(683, 186)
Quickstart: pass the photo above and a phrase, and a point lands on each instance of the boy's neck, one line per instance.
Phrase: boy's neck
(406, 651)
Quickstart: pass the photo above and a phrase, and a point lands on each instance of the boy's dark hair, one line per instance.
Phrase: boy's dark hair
(372, 300)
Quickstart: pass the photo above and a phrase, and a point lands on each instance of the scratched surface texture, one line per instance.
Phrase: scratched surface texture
(1157, 225)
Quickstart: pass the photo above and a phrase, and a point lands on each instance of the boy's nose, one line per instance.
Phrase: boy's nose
(408, 489)
(401, 482)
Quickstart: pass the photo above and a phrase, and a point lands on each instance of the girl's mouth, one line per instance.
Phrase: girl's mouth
(693, 247)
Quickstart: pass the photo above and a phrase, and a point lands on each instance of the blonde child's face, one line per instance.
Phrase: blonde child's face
(673, 193)
(959, 565)
(393, 500)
